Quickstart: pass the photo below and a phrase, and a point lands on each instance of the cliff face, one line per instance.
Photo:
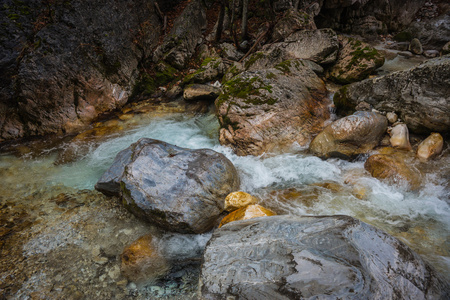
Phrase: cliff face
(63, 63)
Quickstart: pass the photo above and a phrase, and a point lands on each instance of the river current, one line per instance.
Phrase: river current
(294, 183)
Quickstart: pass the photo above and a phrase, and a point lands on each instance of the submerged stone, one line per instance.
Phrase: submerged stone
(175, 188)
(142, 262)
(288, 257)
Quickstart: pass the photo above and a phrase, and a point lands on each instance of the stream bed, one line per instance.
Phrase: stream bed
(59, 238)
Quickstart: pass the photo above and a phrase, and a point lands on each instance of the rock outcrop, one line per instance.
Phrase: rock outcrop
(320, 46)
(350, 136)
(356, 61)
(420, 95)
(65, 63)
(177, 189)
(287, 257)
(269, 110)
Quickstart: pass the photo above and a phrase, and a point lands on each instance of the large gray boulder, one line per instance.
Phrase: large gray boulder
(328, 257)
(420, 95)
(318, 45)
(269, 110)
(175, 188)
(350, 136)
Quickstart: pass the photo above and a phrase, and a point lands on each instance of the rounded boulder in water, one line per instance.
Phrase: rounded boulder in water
(177, 189)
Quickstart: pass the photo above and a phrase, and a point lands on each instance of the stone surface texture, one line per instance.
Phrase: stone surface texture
(287, 257)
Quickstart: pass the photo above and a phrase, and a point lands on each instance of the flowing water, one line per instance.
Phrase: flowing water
(60, 237)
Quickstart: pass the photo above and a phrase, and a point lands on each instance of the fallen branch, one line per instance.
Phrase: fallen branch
(258, 40)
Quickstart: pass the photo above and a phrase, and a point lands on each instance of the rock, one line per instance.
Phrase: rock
(430, 147)
(210, 69)
(61, 73)
(350, 136)
(142, 262)
(393, 169)
(400, 137)
(406, 54)
(289, 257)
(431, 53)
(446, 49)
(319, 45)
(400, 46)
(201, 92)
(356, 61)
(420, 95)
(179, 45)
(415, 47)
(174, 92)
(433, 33)
(238, 200)
(391, 117)
(292, 21)
(175, 188)
(269, 110)
(230, 52)
(247, 212)
(368, 18)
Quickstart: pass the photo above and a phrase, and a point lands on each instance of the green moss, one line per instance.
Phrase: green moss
(285, 66)
(403, 36)
(145, 86)
(270, 75)
(253, 59)
(342, 102)
(367, 53)
(166, 75)
(13, 17)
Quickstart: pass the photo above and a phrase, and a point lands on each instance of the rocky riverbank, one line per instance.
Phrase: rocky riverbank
(174, 221)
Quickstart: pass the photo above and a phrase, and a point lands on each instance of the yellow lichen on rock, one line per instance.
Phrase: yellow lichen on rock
(238, 200)
(245, 213)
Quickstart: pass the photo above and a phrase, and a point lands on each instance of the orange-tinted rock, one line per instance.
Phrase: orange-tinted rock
(430, 147)
(141, 260)
(245, 213)
(400, 137)
(238, 200)
(393, 169)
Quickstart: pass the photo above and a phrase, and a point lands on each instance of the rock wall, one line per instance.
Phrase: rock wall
(66, 62)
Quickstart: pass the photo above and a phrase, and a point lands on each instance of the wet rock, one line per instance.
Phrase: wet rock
(431, 53)
(179, 45)
(238, 200)
(356, 61)
(60, 72)
(415, 47)
(433, 33)
(391, 117)
(269, 110)
(247, 212)
(320, 257)
(394, 169)
(430, 147)
(175, 188)
(400, 46)
(419, 95)
(319, 45)
(350, 136)
(142, 262)
(292, 21)
(201, 92)
(400, 137)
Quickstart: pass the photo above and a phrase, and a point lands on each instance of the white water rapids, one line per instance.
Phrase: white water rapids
(291, 183)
